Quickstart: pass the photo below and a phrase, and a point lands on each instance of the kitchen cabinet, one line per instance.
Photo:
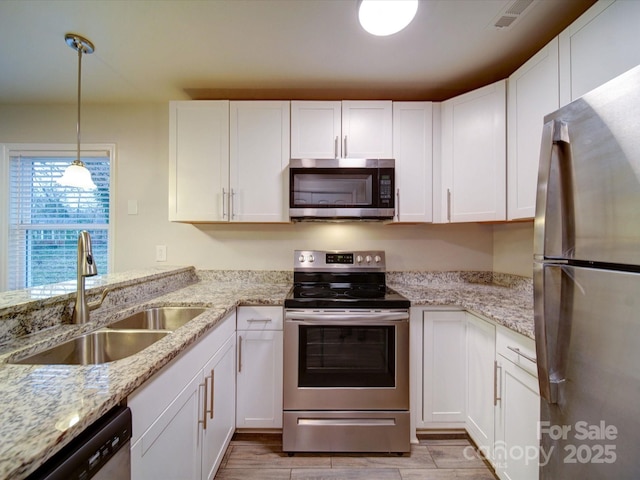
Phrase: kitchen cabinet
(533, 92)
(259, 367)
(259, 155)
(198, 160)
(481, 379)
(184, 416)
(518, 409)
(600, 45)
(413, 152)
(472, 160)
(355, 129)
(441, 387)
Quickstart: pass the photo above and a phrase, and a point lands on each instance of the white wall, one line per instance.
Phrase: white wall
(513, 248)
(140, 132)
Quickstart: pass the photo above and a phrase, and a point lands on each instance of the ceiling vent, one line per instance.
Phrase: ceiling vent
(509, 15)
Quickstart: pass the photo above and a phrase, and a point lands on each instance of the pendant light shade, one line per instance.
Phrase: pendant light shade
(386, 17)
(77, 174)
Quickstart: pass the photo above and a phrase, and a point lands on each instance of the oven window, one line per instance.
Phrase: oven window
(349, 356)
(333, 189)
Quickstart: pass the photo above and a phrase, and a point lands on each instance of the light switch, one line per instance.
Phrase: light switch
(132, 207)
(161, 253)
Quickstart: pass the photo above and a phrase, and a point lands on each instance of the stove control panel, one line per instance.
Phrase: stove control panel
(369, 260)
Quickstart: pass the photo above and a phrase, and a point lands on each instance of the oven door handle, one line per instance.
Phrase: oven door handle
(360, 318)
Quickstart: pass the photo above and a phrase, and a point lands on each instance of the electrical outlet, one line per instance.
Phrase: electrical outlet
(161, 253)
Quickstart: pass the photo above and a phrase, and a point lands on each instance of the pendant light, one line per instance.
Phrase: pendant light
(386, 17)
(77, 174)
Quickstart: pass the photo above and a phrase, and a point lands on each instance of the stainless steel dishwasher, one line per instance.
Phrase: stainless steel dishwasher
(101, 452)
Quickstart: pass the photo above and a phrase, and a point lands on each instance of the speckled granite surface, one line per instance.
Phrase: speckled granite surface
(40, 402)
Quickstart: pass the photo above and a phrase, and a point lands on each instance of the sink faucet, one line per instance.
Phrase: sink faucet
(86, 268)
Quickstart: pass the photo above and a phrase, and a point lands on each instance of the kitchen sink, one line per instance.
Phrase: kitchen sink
(163, 318)
(101, 346)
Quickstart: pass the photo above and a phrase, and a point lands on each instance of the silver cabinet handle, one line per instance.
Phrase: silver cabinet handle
(398, 204)
(212, 394)
(239, 353)
(232, 204)
(204, 405)
(344, 150)
(448, 205)
(224, 206)
(496, 397)
(524, 355)
(335, 147)
(258, 320)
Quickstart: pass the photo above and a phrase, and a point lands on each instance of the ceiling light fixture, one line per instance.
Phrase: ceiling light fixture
(77, 174)
(386, 17)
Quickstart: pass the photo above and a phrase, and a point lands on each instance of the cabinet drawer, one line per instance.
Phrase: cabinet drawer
(518, 349)
(260, 318)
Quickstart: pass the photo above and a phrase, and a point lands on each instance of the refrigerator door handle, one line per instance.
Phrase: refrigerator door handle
(549, 197)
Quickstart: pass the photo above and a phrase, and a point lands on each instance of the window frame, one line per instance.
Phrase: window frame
(7, 150)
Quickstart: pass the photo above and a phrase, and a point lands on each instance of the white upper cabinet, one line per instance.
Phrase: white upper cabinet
(602, 44)
(533, 92)
(413, 152)
(472, 161)
(259, 156)
(316, 129)
(356, 129)
(198, 159)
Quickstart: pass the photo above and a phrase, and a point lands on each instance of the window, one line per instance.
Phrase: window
(44, 218)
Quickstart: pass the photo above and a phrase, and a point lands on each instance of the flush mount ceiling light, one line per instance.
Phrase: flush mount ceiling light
(386, 17)
(77, 174)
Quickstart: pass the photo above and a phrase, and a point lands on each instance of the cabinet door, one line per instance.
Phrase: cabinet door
(259, 155)
(481, 348)
(517, 417)
(473, 156)
(259, 379)
(220, 407)
(413, 152)
(600, 45)
(444, 355)
(198, 160)
(533, 92)
(316, 129)
(170, 448)
(367, 129)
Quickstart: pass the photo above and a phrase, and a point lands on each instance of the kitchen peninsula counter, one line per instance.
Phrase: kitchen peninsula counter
(45, 406)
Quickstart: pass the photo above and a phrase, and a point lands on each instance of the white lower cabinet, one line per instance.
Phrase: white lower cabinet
(184, 417)
(441, 400)
(259, 370)
(481, 351)
(473, 374)
(518, 408)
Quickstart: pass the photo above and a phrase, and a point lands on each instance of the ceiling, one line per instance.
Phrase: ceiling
(160, 50)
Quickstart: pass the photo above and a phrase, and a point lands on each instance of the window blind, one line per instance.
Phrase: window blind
(45, 218)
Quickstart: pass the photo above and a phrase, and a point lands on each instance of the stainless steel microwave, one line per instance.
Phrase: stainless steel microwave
(342, 188)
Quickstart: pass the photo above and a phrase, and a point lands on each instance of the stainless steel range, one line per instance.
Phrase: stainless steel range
(346, 356)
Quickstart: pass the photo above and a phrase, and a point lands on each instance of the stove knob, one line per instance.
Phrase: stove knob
(311, 259)
(359, 259)
(368, 259)
(377, 259)
(301, 258)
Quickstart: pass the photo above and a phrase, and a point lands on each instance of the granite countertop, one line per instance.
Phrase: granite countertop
(45, 406)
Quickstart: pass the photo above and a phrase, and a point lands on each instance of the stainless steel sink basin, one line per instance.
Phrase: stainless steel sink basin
(101, 346)
(164, 318)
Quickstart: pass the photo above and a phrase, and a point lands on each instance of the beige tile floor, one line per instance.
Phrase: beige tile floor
(260, 457)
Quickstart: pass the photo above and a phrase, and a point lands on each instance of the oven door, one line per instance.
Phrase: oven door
(346, 360)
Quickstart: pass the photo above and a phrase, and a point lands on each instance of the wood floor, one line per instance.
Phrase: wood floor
(260, 457)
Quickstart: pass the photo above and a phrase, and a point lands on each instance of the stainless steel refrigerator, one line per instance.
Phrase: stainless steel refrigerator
(587, 285)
